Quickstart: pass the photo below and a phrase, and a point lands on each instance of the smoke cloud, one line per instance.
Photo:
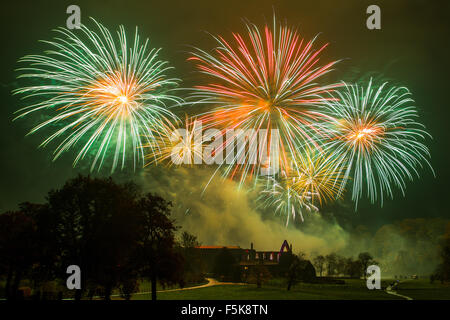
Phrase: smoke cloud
(227, 215)
(224, 214)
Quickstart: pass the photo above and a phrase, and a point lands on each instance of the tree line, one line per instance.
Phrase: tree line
(334, 264)
(113, 232)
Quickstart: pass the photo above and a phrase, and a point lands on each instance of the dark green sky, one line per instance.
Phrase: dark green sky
(412, 48)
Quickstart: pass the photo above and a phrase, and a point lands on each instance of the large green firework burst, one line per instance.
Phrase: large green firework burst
(376, 137)
(99, 95)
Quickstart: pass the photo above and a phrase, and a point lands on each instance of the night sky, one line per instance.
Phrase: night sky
(411, 48)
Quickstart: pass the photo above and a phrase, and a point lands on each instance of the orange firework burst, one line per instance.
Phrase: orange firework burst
(267, 84)
(362, 134)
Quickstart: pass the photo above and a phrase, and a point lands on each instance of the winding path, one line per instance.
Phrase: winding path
(211, 282)
(394, 293)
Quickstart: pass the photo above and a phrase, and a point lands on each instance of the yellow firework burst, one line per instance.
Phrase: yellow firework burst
(178, 146)
(318, 177)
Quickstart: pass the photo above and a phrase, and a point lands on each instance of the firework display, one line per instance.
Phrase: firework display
(177, 146)
(287, 200)
(99, 95)
(325, 135)
(376, 137)
(276, 121)
(318, 176)
(267, 84)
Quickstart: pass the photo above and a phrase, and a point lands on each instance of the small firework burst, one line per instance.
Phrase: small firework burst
(281, 194)
(178, 146)
(318, 176)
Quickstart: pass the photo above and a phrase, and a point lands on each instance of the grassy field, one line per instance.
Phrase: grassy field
(422, 289)
(351, 290)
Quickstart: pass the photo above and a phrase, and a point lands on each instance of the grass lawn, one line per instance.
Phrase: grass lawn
(422, 289)
(352, 290)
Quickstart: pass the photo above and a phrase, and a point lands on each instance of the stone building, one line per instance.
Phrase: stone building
(246, 258)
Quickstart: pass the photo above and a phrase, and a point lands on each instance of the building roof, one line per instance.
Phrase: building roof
(218, 247)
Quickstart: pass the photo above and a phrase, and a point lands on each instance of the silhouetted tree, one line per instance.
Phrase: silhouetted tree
(159, 261)
(319, 262)
(341, 263)
(353, 268)
(442, 271)
(128, 287)
(365, 259)
(18, 246)
(300, 270)
(47, 252)
(445, 254)
(189, 240)
(112, 233)
(193, 266)
(331, 263)
(97, 228)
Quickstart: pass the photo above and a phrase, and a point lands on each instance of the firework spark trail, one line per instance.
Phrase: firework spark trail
(268, 83)
(318, 177)
(281, 194)
(177, 146)
(106, 97)
(101, 93)
(376, 138)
